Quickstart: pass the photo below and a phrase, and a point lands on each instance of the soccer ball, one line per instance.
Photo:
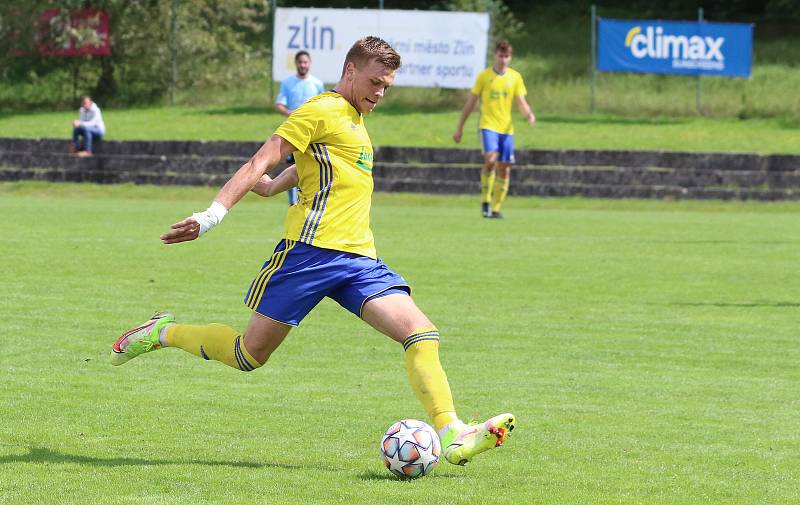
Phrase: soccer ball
(410, 449)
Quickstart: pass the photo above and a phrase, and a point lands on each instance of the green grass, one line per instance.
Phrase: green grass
(395, 125)
(648, 348)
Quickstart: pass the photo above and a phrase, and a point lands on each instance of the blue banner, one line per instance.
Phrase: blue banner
(675, 47)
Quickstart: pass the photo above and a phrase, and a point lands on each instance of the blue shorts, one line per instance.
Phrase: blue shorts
(501, 143)
(298, 276)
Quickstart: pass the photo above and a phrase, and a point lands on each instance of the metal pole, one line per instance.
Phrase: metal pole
(380, 4)
(699, 92)
(174, 50)
(75, 70)
(594, 53)
(272, 52)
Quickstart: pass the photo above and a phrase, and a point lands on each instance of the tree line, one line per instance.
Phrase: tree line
(212, 44)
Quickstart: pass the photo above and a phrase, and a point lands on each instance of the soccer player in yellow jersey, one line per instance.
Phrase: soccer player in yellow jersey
(327, 250)
(498, 87)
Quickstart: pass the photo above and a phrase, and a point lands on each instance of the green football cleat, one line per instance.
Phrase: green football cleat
(473, 439)
(139, 340)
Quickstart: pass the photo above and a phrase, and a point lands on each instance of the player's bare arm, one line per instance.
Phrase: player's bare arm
(266, 158)
(472, 99)
(525, 109)
(267, 186)
(274, 151)
(283, 109)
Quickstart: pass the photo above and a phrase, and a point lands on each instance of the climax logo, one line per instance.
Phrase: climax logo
(654, 44)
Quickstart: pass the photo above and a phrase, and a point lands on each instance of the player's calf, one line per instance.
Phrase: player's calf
(214, 341)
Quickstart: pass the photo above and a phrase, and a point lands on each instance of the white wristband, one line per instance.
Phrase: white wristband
(210, 217)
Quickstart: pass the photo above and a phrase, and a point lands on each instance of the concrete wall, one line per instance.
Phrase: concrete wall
(591, 173)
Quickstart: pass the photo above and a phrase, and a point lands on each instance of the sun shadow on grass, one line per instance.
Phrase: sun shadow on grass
(373, 475)
(400, 109)
(601, 120)
(237, 110)
(788, 123)
(44, 455)
(386, 476)
(731, 304)
(724, 242)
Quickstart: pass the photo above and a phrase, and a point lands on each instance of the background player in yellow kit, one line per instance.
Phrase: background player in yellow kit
(327, 250)
(498, 87)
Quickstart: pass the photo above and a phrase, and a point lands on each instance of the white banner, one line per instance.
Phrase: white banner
(438, 48)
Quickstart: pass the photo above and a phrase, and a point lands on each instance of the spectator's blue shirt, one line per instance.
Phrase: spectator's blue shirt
(295, 91)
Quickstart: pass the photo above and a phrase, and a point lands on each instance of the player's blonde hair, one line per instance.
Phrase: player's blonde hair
(372, 48)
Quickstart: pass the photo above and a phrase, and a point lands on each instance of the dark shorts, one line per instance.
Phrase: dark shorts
(298, 276)
(500, 143)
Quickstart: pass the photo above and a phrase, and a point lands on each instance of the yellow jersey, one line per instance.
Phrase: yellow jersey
(497, 94)
(334, 166)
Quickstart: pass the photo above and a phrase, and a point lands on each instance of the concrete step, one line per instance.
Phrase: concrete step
(590, 190)
(441, 186)
(111, 177)
(598, 158)
(389, 177)
(659, 192)
(137, 147)
(121, 163)
(122, 168)
(392, 154)
(212, 166)
(597, 175)
(610, 174)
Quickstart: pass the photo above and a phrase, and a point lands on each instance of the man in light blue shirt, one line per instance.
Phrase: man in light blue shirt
(294, 92)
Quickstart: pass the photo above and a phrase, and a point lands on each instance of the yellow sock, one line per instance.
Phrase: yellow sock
(499, 193)
(427, 377)
(487, 183)
(212, 341)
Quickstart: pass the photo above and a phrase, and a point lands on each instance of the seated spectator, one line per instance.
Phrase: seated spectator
(90, 126)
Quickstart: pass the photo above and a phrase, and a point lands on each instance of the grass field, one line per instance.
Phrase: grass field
(649, 350)
(391, 125)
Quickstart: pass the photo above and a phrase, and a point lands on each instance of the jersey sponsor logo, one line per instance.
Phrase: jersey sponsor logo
(363, 158)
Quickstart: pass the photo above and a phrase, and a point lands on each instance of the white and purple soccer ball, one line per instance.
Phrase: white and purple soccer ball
(410, 449)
